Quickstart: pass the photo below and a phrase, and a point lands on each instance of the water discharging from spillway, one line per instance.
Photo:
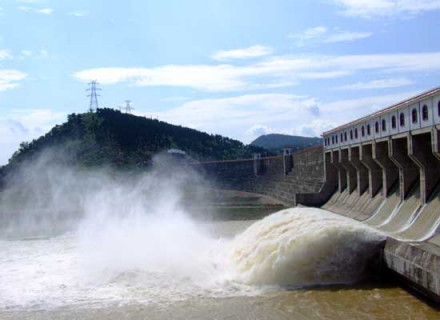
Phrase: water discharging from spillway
(304, 246)
(160, 259)
(72, 238)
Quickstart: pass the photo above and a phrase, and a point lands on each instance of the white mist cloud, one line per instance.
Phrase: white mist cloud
(25, 125)
(45, 11)
(246, 53)
(78, 14)
(383, 8)
(277, 71)
(323, 34)
(5, 54)
(10, 79)
(248, 116)
(377, 84)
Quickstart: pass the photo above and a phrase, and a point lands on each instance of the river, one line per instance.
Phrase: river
(295, 264)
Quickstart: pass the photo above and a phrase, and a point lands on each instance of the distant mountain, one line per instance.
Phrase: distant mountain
(109, 137)
(276, 142)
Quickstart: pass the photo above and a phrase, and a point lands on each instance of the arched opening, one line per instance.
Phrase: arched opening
(368, 129)
(336, 138)
(351, 134)
(363, 131)
(342, 137)
(425, 115)
(393, 122)
(345, 136)
(384, 125)
(356, 133)
(376, 127)
(402, 120)
(414, 116)
(438, 108)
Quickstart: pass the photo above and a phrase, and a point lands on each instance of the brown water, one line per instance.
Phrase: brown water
(369, 301)
(331, 303)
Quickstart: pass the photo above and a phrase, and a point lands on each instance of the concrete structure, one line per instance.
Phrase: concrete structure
(392, 156)
(383, 170)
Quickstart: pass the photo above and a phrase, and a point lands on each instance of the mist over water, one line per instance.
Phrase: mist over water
(75, 236)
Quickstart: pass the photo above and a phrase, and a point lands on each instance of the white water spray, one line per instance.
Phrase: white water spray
(132, 239)
(303, 247)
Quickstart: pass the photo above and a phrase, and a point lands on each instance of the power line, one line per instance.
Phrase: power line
(93, 95)
(128, 107)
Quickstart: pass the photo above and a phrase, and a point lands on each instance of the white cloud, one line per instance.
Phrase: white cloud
(28, 1)
(79, 14)
(25, 125)
(10, 79)
(377, 8)
(45, 11)
(377, 84)
(5, 54)
(26, 53)
(322, 34)
(248, 116)
(246, 53)
(274, 72)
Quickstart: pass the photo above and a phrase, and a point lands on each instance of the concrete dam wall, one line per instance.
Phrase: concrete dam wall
(382, 170)
(282, 177)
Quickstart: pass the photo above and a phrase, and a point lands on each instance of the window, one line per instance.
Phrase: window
(384, 125)
(356, 133)
(336, 138)
(402, 120)
(363, 131)
(376, 126)
(438, 108)
(351, 134)
(414, 116)
(345, 136)
(342, 137)
(368, 129)
(333, 140)
(425, 115)
(393, 122)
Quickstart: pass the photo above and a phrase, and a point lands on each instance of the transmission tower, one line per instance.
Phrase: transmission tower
(128, 107)
(93, 88)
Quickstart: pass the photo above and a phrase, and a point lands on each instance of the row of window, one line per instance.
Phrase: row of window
(354, 133)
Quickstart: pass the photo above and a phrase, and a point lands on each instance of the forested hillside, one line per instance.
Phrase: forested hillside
(109, 137)
(276, 142)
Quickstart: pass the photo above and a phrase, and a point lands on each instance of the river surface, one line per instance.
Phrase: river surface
(279, 268)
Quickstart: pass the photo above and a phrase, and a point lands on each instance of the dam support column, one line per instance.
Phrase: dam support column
(435, 141)
(287, 160)
(420, 151)
(341, 172)
(390, 172)
(258, 164)
(374, 170)
(408, 171)
(351, 172)
(330, 171)
(361, 170)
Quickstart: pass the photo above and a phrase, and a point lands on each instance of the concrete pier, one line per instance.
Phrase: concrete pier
(375, 182)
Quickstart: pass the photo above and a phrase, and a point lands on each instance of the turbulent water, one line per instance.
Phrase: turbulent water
(152, 259)
(78, 244)
(190, 270)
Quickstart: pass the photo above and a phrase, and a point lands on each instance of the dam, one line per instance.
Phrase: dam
(382, 169)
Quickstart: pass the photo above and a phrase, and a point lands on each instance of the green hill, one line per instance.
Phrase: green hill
(109, 137)
(276, 142)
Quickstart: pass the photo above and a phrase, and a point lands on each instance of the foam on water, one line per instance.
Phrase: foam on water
(302, 247)
(149, 259)
(131, 238)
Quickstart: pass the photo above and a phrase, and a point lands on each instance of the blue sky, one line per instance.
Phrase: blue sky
(239, 68)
